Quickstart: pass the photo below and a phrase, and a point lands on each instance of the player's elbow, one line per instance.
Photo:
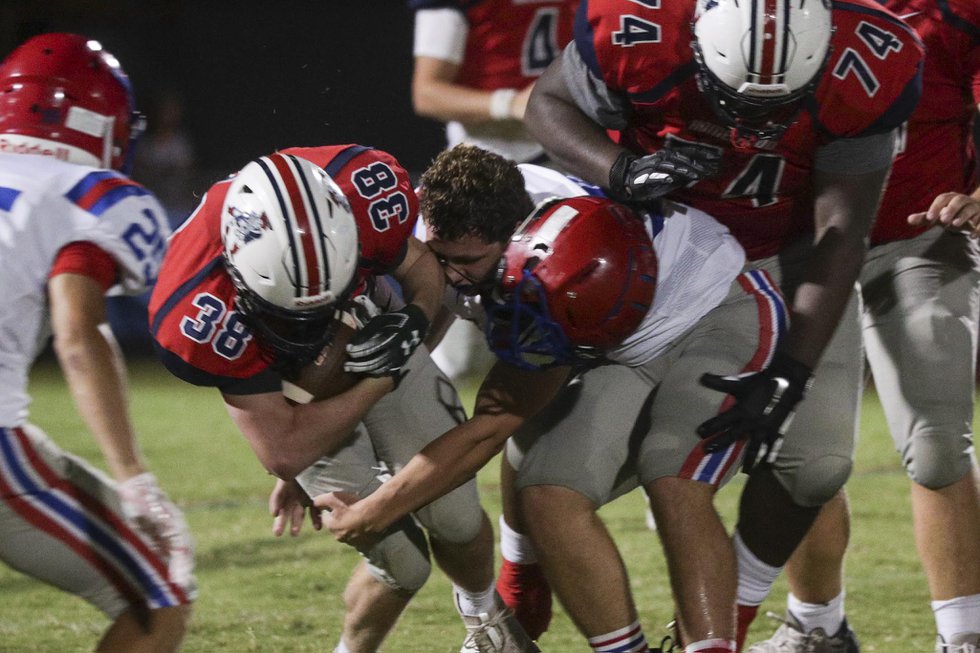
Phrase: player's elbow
(424, 102)
(282, 466)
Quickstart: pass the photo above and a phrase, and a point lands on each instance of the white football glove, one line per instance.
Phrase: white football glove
(147, 507)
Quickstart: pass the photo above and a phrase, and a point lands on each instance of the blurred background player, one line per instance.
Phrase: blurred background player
(604, 434)
(267, 272)
(778, 119)
(73, 228)
(921, 295)
(474, 66)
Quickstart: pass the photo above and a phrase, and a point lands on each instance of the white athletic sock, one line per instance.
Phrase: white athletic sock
(727, 645)
(515, 547)
(627, 640)
(473, 604)
(341, 648)
(829, 615)
(959, 615)
(755, 578)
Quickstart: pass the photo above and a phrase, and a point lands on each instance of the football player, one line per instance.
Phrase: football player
(267, 271)
(74, 228)
(920, 293)
(474, 66)
(777, 118)
(633, 308)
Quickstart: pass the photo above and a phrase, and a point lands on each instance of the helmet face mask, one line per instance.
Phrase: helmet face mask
(286, 337)
(759, 62)
(63, 95)
(291, 249)
(521, 332)
(576, 280)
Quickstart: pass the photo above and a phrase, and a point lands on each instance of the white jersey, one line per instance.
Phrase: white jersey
(697, 261)
(44, 205)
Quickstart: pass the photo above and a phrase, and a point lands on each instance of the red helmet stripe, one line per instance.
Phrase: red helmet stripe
(304, 228)
(770, 39)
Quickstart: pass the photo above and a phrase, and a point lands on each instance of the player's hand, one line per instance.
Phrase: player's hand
(386, 342)
(149, 509)
(287, 504)
(640, 180)
(764, 406)
(954, 211)
(345, 521)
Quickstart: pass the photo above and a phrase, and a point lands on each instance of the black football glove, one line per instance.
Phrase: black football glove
(764, 405)
(640, 180)
(386, 342)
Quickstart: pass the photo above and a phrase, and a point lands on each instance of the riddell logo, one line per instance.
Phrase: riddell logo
(8, 147)
(312, 302)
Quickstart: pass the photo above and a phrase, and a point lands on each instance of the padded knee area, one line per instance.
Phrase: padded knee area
(935, 460)
(401, 560)
(455, 518)
(816, 482)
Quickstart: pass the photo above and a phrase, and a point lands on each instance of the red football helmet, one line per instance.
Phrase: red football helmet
(575, 280)
(63, 95)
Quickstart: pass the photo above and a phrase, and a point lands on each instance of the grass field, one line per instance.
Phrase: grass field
(260, 593)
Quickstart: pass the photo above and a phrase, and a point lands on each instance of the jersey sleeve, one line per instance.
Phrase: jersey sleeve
(635, 47)
(873, 78)
(130, 225)
(440, 33)
(593, 97)
(87, 259)
(381, 197)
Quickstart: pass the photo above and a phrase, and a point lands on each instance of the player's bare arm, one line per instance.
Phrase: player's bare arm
(289, 438)
(581, 146)
(89, 363)
(421, 278)
(844, 210)
(507, 398)
(436, 95)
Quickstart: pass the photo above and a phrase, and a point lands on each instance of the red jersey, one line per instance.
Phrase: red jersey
(935, 150)
(195, 327)
(510, 42)
(642, 51)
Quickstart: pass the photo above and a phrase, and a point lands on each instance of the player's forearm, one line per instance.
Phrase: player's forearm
(821, 299)
(447, 101)
(444, 464)
(287, 439)
(845, 208)
(98, 388)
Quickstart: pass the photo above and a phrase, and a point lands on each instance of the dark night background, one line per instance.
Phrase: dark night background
(256, 76)
(253, 77)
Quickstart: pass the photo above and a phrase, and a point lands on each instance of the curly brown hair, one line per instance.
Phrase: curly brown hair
(470, 191)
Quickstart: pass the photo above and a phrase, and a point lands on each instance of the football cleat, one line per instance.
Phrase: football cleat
(959, 643)
(790, 638)
(495, 633)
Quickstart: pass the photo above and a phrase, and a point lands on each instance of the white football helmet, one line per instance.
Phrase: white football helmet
(758, 60)
(290, 245)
